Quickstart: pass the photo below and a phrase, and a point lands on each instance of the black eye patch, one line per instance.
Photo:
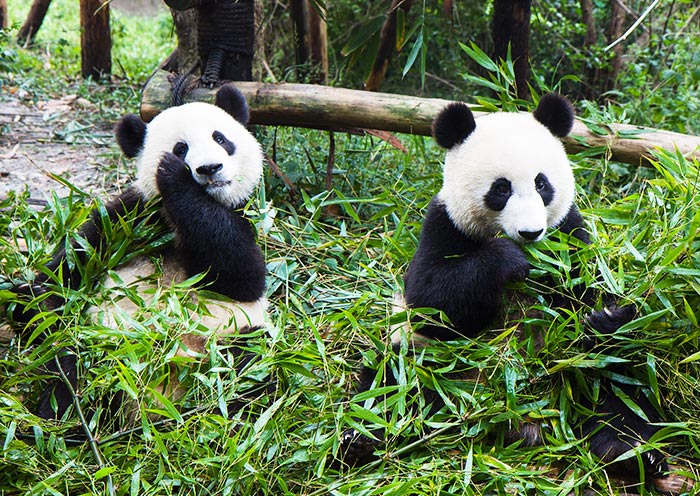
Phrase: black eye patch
(544, 188)
(222, 140)
(497, 197)
(180, 149)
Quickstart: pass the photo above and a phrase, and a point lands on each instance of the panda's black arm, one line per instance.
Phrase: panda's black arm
(211, 237)
(573, 225)
(461, 276)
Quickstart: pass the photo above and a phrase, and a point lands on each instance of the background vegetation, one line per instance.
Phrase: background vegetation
(335, 259)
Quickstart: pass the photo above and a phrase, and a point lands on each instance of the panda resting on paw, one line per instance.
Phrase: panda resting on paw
(504, 173)
(202, 164)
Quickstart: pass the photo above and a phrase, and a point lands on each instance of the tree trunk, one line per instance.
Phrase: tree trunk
(3, 14)
(615, 29)
(310, 42)
(34, 19)
(589, 21)
(324, 107)
(511, 26)
(318, 43)
(187, 57)
(95, 39)
(299, 10)
(387, 42)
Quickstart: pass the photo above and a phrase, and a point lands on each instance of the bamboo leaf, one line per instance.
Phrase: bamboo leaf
(413, 55)
(362, 35)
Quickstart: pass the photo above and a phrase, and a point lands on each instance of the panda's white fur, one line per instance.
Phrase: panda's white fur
(219, 317)
(193, 123)
(517, 147)
(215, 317)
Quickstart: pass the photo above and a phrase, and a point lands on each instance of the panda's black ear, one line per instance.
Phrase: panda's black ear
(130, 132)
(556, 114)
(232, 101)
(453, 124)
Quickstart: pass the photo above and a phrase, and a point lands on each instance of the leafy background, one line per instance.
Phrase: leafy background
(335, 258)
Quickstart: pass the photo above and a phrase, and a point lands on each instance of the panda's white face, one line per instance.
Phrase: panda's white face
(510, 175)
(220, 152)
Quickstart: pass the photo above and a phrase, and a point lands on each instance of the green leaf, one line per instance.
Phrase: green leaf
(477, 55)
(363, 35)
(168, 408)
(415, 50)
(631, 404)
(265, 417)
(104, 472)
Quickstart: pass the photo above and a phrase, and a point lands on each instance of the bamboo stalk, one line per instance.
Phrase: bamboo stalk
(325, 107)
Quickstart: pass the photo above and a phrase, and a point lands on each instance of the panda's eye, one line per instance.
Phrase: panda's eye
(544, 188)
(180, 149)
(224, 142)
(499, 194)
(502, 189)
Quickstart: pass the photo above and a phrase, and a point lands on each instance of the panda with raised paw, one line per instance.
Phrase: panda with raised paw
(504, 173)
(201, 164)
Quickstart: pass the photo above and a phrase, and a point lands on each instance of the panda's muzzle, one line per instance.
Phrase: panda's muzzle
(209, 169)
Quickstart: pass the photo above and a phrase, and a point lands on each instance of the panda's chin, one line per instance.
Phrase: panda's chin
(211, 185)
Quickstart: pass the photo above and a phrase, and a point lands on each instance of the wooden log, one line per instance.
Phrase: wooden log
(324, 107)
(95, 39)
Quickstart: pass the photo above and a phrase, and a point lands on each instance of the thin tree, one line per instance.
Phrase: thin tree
(95, 39)
(34, 19)
(3, 14)
(511, 28)
(310, 40)
(387, 43)
(607, 77)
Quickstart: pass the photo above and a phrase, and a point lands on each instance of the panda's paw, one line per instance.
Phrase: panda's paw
(510, 259)
(614, 433)
(610, 319)
(609, 444)
(356, 449)
(172, 172)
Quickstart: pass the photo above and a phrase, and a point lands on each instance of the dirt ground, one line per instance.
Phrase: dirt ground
(31, 149)
(35, 139)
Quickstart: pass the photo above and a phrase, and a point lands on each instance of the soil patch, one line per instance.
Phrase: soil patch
(40, 141)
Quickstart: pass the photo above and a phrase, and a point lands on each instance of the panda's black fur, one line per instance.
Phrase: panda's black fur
(202, 195)
(462, 267)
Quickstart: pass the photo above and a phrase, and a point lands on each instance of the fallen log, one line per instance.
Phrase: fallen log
(326, 107)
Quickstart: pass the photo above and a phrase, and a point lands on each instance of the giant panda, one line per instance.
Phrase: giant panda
(200, 164)
(507, 181)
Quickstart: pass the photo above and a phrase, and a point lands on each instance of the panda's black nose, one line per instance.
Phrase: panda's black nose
(209, 169)
(530, 235)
